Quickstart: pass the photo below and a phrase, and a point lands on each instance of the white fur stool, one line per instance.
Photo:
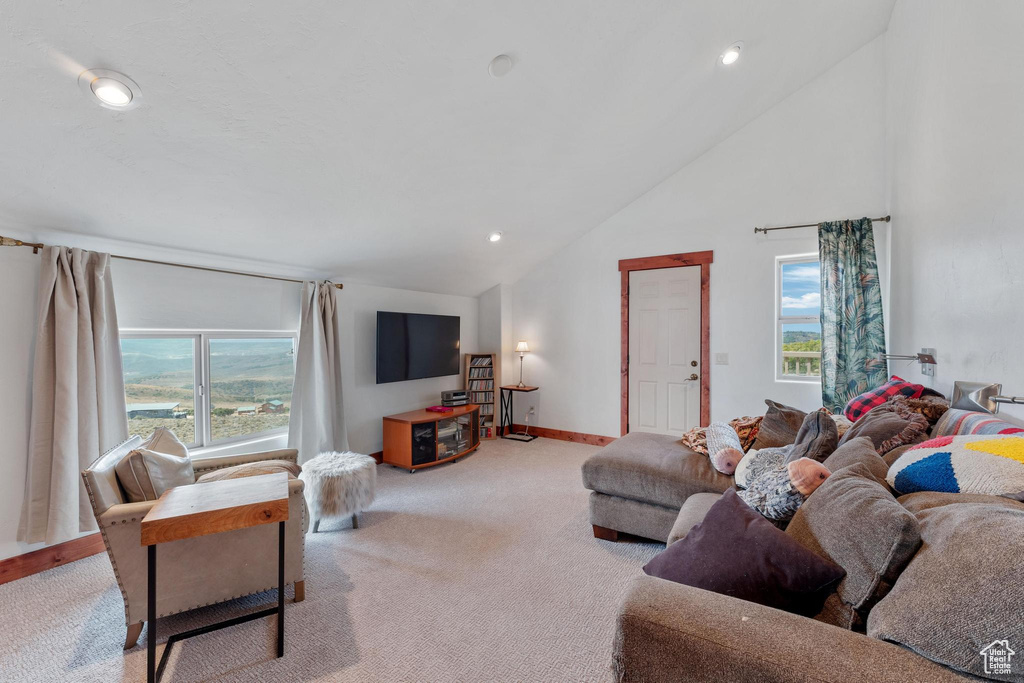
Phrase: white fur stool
(339, 485)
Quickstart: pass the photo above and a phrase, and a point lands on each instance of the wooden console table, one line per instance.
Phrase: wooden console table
(506, 412)
(423, 438)
(210, 508)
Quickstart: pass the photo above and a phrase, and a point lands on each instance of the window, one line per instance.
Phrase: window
(798, 323)
(208, 388)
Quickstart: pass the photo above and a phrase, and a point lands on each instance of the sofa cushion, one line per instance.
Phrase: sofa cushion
(253, 469)
(145, 474)
(736, 552)
(853, 520)
(889, 426)
(691, 514)
(918, 502)
(779, 426)
(961, 595)
(652, 468)
(896, 386)
(859, 451)
(817, 438)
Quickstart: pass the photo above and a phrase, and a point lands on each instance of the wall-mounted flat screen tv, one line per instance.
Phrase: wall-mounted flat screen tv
(416, 345)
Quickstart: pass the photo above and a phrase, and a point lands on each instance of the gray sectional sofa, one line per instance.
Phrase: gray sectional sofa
(654, 487)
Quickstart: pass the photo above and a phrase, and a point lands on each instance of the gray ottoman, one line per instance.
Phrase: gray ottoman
(640, 482)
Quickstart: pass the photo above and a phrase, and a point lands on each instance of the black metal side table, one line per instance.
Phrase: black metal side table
(506, 412)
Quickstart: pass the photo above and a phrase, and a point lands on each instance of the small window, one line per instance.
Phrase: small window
(798, 318)
(208, 388)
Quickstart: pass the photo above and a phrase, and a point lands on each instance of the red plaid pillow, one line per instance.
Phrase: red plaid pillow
(860, 405)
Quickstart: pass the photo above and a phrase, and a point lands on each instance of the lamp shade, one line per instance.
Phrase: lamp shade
(522, 347)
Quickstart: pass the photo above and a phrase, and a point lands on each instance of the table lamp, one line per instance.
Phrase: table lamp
(522, 348)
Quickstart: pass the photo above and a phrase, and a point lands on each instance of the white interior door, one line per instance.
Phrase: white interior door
(664, 350)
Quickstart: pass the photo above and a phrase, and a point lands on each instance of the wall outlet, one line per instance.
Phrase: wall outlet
(721, 359)
(928, 369)
(532, 411)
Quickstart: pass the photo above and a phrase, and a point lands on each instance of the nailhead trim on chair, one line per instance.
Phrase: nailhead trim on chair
(106, 544)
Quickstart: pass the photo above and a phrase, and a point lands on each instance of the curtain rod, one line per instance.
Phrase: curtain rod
(36, 246)
(884, 219)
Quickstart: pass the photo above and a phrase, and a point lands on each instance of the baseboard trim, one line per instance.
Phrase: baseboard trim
(20, 566)
(563, 435)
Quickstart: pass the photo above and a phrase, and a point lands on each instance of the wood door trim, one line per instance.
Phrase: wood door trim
(704, 259)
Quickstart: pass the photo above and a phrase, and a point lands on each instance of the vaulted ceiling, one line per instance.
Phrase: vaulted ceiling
(366, 140)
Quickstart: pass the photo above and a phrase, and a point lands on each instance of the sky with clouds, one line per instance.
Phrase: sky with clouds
(801, 292)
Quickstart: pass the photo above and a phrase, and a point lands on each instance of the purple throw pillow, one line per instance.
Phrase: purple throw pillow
(735, 551)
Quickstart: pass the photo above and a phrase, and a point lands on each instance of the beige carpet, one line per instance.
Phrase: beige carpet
(483, 570)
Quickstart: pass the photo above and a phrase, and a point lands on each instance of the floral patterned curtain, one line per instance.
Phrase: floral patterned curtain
(852, 331)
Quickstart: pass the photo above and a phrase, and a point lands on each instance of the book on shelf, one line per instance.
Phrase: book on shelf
(481, 361)
(486, 373)
(481, 385)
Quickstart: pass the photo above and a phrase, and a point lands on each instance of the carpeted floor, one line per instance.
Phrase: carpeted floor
(482, 570)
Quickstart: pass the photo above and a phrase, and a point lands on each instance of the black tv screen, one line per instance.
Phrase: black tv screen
(415, 345)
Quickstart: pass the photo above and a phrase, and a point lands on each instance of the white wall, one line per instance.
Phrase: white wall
(956, 168)
(817, 155)
(496, 331)
(366, 402)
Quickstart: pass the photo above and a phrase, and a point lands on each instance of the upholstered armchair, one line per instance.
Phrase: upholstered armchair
(197, 571)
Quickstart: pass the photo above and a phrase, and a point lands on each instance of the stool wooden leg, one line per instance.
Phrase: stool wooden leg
(355, 521)
(316, 526)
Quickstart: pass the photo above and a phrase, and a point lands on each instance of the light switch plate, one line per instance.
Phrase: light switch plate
(928, 369)
(721, 359)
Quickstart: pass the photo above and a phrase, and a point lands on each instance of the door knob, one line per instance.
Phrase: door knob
(693, 363)
(693, 377)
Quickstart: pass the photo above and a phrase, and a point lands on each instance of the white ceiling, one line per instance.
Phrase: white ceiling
(367, 140)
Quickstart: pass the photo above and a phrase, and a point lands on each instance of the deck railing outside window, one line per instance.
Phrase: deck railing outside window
(801, 363)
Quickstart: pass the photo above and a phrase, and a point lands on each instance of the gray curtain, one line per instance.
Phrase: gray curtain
(78, 403)
(852, 329)
(317, 422)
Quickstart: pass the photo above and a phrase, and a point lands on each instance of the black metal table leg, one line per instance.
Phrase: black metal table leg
(151, 615)
(506, 411)
(280, 589)
(155, 671)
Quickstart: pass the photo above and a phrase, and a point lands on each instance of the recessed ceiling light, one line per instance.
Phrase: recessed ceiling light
(110, 89)
(731, 54)
(494, 237)
(500, 66)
